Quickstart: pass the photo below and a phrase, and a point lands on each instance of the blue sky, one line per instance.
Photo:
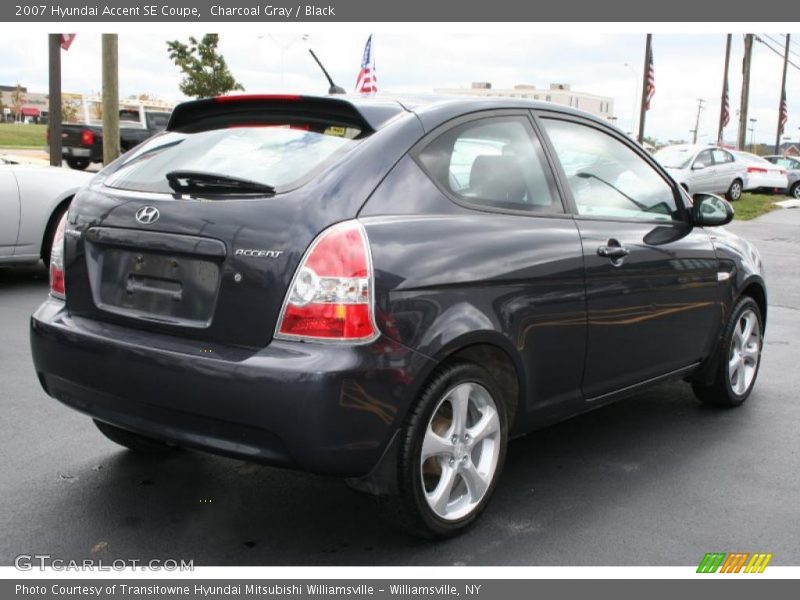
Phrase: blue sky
(687, 67)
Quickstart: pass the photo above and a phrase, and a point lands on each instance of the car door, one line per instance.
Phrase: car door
(651, 277)
(504, 247)
(725, 170)
(703, 173)
(9, 210)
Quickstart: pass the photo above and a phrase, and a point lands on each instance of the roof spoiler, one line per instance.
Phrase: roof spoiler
(241, 109)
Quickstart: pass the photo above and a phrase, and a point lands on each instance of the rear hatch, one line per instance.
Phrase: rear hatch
(198, 231)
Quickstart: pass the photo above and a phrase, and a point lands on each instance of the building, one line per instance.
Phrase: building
(560, 93)
(34, 105)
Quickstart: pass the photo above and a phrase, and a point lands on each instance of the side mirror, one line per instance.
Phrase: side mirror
(698, 166)
(709, 210)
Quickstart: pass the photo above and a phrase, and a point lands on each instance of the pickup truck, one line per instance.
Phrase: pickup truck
(82, 143)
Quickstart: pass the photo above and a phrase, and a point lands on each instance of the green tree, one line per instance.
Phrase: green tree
(205, 72)
(18, 98)
(69, 112)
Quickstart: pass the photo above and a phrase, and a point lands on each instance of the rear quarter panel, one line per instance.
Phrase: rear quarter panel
(448, 277)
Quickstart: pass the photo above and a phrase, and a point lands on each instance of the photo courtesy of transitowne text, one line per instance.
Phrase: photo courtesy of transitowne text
(418, 300)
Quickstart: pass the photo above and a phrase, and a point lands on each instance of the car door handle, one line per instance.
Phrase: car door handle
(613, 251)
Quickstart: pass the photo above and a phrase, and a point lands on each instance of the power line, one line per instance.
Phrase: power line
(782, 42)
(778, 52)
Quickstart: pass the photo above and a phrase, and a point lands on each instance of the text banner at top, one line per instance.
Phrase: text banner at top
(465, 11)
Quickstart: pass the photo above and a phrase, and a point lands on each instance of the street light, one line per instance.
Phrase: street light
(752, 133)
(636, 79)
(285, 46)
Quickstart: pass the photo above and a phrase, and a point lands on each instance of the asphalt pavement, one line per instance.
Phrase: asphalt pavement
(654, 480)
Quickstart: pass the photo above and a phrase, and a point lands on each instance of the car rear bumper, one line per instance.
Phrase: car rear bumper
(74, 152)
(756, 181)
(316, 407)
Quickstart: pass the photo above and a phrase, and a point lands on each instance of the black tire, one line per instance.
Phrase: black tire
(720, 391)
(79, 164)
(794, 191)
(734, 192)
(133, 441)
(50, 232)
(408, 510)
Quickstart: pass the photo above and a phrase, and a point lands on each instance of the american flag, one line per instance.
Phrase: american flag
(67, 39)
(650, 88)
(784, 113)
(367, 82)
(726, 107)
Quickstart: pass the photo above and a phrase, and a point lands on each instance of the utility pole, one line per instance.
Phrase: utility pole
(110, 97)
(724, 107)
(783, 98)
(700, 102)
(54, 99)
(645, 88)
(741, 141)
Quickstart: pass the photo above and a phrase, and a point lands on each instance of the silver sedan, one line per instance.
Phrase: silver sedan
(708, 169)
(32, 199)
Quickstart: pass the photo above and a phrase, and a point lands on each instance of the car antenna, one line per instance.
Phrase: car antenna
(334, 89)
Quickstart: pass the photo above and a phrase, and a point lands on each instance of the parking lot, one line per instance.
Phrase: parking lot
(654, 480)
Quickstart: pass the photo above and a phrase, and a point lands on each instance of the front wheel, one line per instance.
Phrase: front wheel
(739, 357)
(735, 191)
(452, 449)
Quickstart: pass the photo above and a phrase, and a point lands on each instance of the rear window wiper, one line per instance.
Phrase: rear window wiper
(214, 183)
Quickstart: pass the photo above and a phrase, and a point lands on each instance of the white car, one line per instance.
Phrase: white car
(762, 174)
(32, 200)
(709, 169)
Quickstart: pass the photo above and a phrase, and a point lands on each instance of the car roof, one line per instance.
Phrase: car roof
(376, 111)
(692, 147)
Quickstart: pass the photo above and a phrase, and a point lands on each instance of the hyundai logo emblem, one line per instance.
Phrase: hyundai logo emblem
(147, 215)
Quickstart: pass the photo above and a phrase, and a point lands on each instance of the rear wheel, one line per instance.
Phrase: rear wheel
(452, 449)
(80, 164)
(133, 441)
(735, 191)
(739, 358)
(794, 191)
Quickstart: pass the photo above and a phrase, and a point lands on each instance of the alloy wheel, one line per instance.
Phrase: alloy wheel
(744, 352)
(460, 451)
(736, 190)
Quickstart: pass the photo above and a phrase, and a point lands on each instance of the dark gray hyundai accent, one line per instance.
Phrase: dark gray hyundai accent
(388, 290)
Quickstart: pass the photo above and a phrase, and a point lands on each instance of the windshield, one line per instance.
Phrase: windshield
(280, 156)
(674, 158)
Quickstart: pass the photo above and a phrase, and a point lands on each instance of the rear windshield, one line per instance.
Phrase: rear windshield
(283, 156)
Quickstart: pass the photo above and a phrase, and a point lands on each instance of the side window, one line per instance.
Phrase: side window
(492, 162)
(704, 159)
(720, 156)
(606, 177)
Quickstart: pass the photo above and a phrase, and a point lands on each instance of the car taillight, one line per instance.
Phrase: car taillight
(57, 261)
(87, 137)
(330, 297)
(756, 170)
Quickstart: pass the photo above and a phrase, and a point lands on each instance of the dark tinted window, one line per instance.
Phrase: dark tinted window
(493, 162)
(607, 178)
